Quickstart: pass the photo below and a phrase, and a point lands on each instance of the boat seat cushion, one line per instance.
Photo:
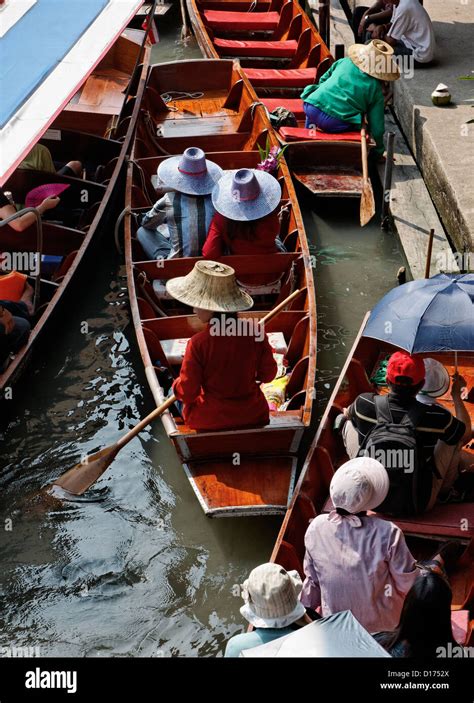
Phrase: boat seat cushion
(296, 134)
(244, 21)
(449, 520)
(275, 49)
(174, 348)
(281, 78)
(294, 105)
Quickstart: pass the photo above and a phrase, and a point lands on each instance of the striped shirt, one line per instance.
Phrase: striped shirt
(188, 218)
(436, 423)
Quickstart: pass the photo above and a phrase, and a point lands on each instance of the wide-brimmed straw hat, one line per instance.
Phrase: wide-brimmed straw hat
(437, 381)
(271, 597)
(210, 286)
(246, 194)
(191, 173)
(376, 59)
(359, 484)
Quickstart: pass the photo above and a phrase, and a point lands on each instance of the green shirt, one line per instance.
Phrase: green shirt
(346, 92)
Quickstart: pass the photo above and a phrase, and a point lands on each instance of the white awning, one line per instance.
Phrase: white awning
(31, 118)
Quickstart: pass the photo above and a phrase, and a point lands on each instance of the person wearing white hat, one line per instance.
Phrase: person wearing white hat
(223, 365)
(350, 88)
(271, 605)
(246, 219)
(355, 561)
(177, 224)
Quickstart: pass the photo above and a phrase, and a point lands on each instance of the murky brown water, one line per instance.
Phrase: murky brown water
(135, 569)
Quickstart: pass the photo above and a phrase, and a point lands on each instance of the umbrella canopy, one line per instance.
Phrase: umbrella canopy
(428, 315)
(338, 635)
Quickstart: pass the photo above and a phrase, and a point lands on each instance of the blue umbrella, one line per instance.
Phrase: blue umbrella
(429, 315)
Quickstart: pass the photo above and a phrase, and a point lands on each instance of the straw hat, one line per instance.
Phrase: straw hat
(437, 381)
(191, 173)
(271, 597)
(246, 194)
(359, 484)
(376, 59)
(210, 286)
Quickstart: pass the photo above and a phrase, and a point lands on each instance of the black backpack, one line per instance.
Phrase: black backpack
(396, 447)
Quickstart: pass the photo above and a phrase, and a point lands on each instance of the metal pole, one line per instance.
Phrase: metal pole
(339, 50)
(387, 180)
(428, 255)
(324, 14)
(39, 243)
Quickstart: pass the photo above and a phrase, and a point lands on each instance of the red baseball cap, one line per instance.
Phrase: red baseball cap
(404, 364)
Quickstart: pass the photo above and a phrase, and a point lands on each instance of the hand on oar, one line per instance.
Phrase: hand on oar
(81, 477)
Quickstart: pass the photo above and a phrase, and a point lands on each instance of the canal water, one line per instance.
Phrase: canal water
(134, 568)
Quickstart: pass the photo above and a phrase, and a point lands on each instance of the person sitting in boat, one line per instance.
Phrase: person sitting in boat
(365, 19)
(246, 219)
(352, 87)
(410, 31)
(271, 605)
(425, 628)
(354, 561)
(177, 224)
(16, 306)
(40, 159)
(7, 208)
(441, 435)
(223, 364)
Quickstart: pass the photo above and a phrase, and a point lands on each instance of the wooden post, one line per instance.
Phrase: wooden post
(428, 255)
(324, 10)
(339, 50)
(387, 181)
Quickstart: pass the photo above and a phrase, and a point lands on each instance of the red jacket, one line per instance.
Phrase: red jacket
(264, 231)
(218, 381)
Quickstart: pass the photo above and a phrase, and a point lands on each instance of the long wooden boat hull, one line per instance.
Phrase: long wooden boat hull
(91, 196)
(240, 472)
(280, 58)
(311, 496)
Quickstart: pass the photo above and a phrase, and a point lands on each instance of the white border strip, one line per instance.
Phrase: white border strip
(28, 124)
(12, 12)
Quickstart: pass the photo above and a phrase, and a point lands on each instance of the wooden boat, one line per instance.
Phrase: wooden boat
(83, 131)
(311, 496)
(241, 472)
(281, 52)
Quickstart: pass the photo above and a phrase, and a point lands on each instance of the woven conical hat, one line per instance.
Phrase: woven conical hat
(210, 286)
(376, 59)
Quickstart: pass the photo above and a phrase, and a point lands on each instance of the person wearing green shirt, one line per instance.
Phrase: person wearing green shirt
(40, 159)
(350, 89)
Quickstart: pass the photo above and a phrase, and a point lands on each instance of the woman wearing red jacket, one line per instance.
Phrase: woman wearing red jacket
(246, 219)
(225, 362)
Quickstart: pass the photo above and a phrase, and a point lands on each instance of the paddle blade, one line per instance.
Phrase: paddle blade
(367, 204)
(81, 477)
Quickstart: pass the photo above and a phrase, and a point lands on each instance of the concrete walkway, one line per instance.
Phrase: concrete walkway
(411, 205)
(439, 137)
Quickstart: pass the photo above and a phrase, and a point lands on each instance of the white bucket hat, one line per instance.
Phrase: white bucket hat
(437, 382)
(190, 173)
(359, 484)
(271, 597)
(375, 59)
(246, 194)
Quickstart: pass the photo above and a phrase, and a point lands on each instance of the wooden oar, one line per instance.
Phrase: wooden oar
(81, 477)
(367, 203)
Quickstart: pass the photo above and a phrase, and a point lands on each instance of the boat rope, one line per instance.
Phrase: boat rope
(142, 175)
(153, 133)
(142, 280)
(253, 6)
(126, 211)
(173, 95)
